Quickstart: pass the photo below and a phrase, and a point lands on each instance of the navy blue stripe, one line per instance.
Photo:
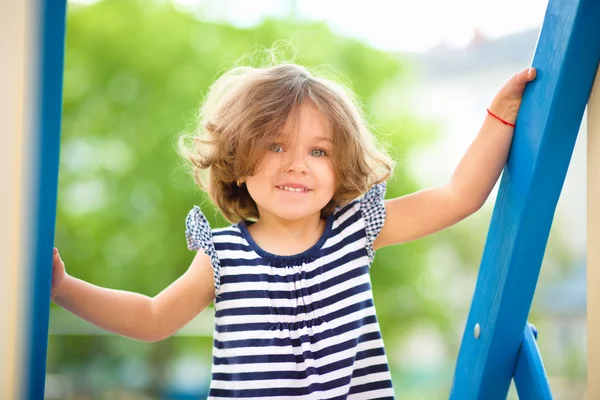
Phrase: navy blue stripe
(229, 312)
(243, 260)
(220, 246)
(263, 326)
(271, 278)
(361, 355)
(371, 369)
(313, 339)
(253, 294)
(367, 387)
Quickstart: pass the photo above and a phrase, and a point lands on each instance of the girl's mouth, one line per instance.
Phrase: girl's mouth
(291, 189)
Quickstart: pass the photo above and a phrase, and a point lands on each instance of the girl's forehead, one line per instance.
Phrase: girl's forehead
(307, 123)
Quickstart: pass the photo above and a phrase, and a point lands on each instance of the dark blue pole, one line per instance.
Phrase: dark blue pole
(46, 137)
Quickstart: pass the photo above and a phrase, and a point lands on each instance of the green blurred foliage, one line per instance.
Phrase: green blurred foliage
(136, 73)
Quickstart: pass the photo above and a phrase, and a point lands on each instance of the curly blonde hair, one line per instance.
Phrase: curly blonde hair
(245, 111)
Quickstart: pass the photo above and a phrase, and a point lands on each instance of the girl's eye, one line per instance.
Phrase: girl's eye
(276, 148)
(318, 153)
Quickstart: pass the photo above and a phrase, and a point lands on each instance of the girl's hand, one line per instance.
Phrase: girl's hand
(507, 102)
(58, 273)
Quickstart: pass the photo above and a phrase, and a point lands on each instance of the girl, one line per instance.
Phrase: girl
(292, 165)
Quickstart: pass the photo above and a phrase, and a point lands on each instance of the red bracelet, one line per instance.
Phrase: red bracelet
(500, 119)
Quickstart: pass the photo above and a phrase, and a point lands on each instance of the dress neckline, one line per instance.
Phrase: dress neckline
(299, 257)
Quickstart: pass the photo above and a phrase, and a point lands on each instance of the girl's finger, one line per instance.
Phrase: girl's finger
(526, 75)
(516, 85)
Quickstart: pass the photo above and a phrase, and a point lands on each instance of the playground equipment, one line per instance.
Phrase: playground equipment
(498, 344)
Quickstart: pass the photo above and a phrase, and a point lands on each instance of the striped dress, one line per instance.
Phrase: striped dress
(301, 326)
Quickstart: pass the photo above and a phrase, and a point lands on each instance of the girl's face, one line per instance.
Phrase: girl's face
(296, 178)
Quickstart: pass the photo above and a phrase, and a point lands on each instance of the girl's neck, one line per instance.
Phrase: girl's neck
(284, 237)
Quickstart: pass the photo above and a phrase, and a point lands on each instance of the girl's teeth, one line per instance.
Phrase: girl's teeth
(290, 189)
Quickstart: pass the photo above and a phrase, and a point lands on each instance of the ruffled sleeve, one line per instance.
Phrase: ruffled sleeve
(373, 212)
(199, 237)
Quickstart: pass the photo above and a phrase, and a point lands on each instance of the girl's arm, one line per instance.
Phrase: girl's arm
(428, 211)
(134, 315)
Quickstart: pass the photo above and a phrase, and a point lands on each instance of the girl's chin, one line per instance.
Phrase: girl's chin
(293, 213)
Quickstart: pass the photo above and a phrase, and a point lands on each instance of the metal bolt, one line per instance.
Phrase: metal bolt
(477, 331)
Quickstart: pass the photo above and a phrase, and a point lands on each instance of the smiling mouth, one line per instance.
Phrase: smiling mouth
(291, 189)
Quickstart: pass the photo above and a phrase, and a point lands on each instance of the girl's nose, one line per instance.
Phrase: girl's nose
(296, 162)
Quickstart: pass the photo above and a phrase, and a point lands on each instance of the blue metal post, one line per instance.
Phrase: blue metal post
(51, 43)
